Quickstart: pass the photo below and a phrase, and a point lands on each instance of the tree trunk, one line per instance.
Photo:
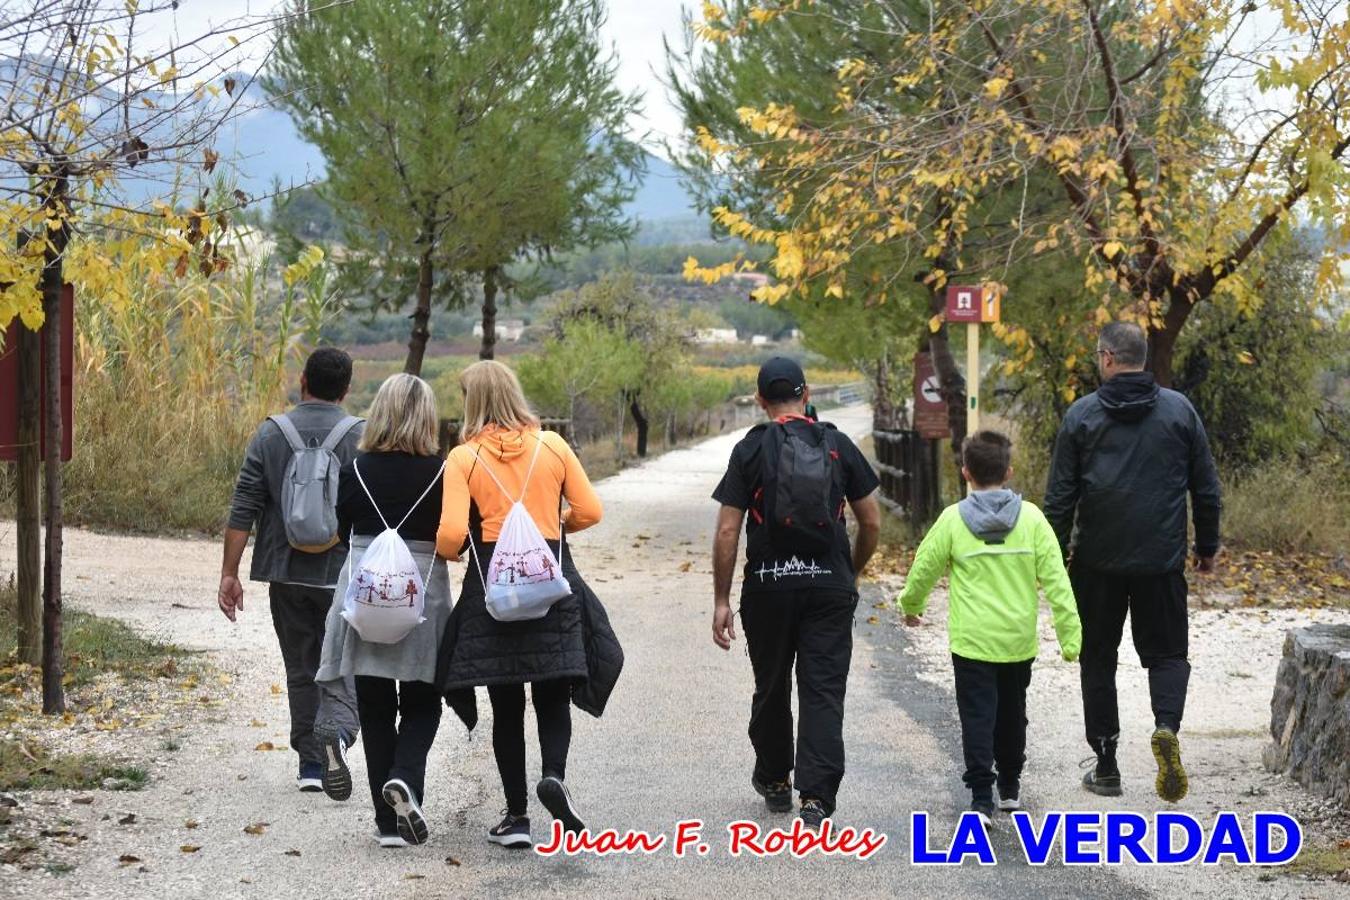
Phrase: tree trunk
(641, 421)
(618, 434)
(885, 414)
(27, 506)
(489, 348)
(1162, 342)
(421, 317)
(53, 694)
(949, 376)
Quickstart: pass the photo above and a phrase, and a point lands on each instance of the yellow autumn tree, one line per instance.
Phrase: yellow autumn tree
(1179, 138)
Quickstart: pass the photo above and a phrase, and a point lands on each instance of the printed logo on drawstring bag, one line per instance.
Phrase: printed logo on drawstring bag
(386, 593)
(523, 579)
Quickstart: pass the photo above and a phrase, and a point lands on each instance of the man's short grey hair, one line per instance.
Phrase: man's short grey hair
(1126, 341)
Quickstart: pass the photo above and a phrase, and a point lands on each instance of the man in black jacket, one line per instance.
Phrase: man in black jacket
(1125, 460)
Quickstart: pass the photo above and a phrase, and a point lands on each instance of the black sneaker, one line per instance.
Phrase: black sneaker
(337, 778)
(1010, 797)
(777, 794)
(985, 810)
(512, 831)
(812, 813)
(412, 825)
(1105, 783)
(558, 801)
(1172, 783)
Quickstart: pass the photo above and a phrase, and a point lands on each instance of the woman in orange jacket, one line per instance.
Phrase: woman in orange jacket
(502, 443)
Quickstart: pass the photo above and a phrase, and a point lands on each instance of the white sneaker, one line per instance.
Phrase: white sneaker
(390, 841)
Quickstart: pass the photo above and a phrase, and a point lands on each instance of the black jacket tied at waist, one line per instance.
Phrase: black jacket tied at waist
(573, 641)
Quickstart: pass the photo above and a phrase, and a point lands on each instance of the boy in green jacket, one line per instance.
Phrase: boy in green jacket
(998, 549)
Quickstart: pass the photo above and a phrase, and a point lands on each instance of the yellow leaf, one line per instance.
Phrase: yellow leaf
(266, 745)
(190, 848)
(256, 828)
(935, 323)
(994, 87)
(1245, 357)
(1112, 249)
(234, 41)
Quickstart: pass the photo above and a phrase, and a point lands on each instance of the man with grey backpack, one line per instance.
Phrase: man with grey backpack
(287, 488)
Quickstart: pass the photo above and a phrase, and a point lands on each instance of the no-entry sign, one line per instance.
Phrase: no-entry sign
(930, 410)
(970, 303)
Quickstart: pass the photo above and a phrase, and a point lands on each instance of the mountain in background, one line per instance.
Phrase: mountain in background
(261, 147)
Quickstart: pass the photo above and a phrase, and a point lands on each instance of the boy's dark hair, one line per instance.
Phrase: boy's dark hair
(328, 373)
(987, 455)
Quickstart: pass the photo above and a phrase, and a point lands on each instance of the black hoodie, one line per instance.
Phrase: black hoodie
(1125, 460)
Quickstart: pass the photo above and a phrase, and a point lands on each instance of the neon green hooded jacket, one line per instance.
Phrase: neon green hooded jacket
(991, 613)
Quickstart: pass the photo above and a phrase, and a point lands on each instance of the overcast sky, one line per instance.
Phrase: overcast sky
(634, 29)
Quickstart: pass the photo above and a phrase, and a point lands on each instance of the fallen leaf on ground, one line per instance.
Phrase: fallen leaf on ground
(450, 860)
(413, 875)
(276, 689)
(83, 801)
(255, 828)
(191, 823)
(190, 848)
(872, 620)
(686, 566)
(127, 859)
(291, 853)
(256, 723)
(266, 745)
(128, 819)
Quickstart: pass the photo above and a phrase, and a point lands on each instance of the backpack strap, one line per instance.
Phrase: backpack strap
(418, 502)
(288, 431)
(357, 470)
(530, 471)
(339, 432)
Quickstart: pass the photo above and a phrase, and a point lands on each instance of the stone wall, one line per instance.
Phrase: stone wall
(1310, 711)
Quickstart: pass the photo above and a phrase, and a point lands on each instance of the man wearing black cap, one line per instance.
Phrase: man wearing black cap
(794, 477)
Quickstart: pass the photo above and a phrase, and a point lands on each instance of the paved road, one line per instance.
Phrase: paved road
(672, 746)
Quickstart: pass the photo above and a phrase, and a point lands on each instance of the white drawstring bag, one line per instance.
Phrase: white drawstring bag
(524, 579)
(386, 594)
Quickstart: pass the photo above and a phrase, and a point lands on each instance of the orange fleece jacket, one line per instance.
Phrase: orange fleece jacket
(508, 453)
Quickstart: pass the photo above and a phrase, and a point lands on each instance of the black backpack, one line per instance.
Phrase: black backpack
(798, 470)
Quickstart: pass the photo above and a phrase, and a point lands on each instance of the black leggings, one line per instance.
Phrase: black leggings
(553, 710)
(396, 750)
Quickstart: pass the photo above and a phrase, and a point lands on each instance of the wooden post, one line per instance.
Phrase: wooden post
(973, 377)
(27, 505)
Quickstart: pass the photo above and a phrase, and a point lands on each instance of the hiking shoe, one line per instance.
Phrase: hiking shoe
(1010, 797)
(310, 779)
(337, 778)
(1171, 783)
(389, 841)
(558, 801)
(412, 825)
(812, 813)
(1102, 785)
(512, 831)
(984, 809)
(777, 794)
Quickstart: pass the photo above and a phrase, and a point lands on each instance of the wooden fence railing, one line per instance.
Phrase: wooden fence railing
(908, 467)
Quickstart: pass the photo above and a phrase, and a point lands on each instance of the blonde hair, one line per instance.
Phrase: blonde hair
(492, 396)
(402, 417)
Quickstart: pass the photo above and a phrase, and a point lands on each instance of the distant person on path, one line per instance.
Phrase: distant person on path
(1125, 460)
(998, 550)
(396, 478)
(794, 477)
(300, 582)
(559, 655)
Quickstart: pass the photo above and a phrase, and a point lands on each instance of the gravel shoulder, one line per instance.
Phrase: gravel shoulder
(671, 746)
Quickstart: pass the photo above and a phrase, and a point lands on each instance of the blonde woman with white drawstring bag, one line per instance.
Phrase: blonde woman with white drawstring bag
(391, 605)
(525, 616)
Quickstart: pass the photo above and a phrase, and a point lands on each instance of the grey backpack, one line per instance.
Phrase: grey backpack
(310, 485)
